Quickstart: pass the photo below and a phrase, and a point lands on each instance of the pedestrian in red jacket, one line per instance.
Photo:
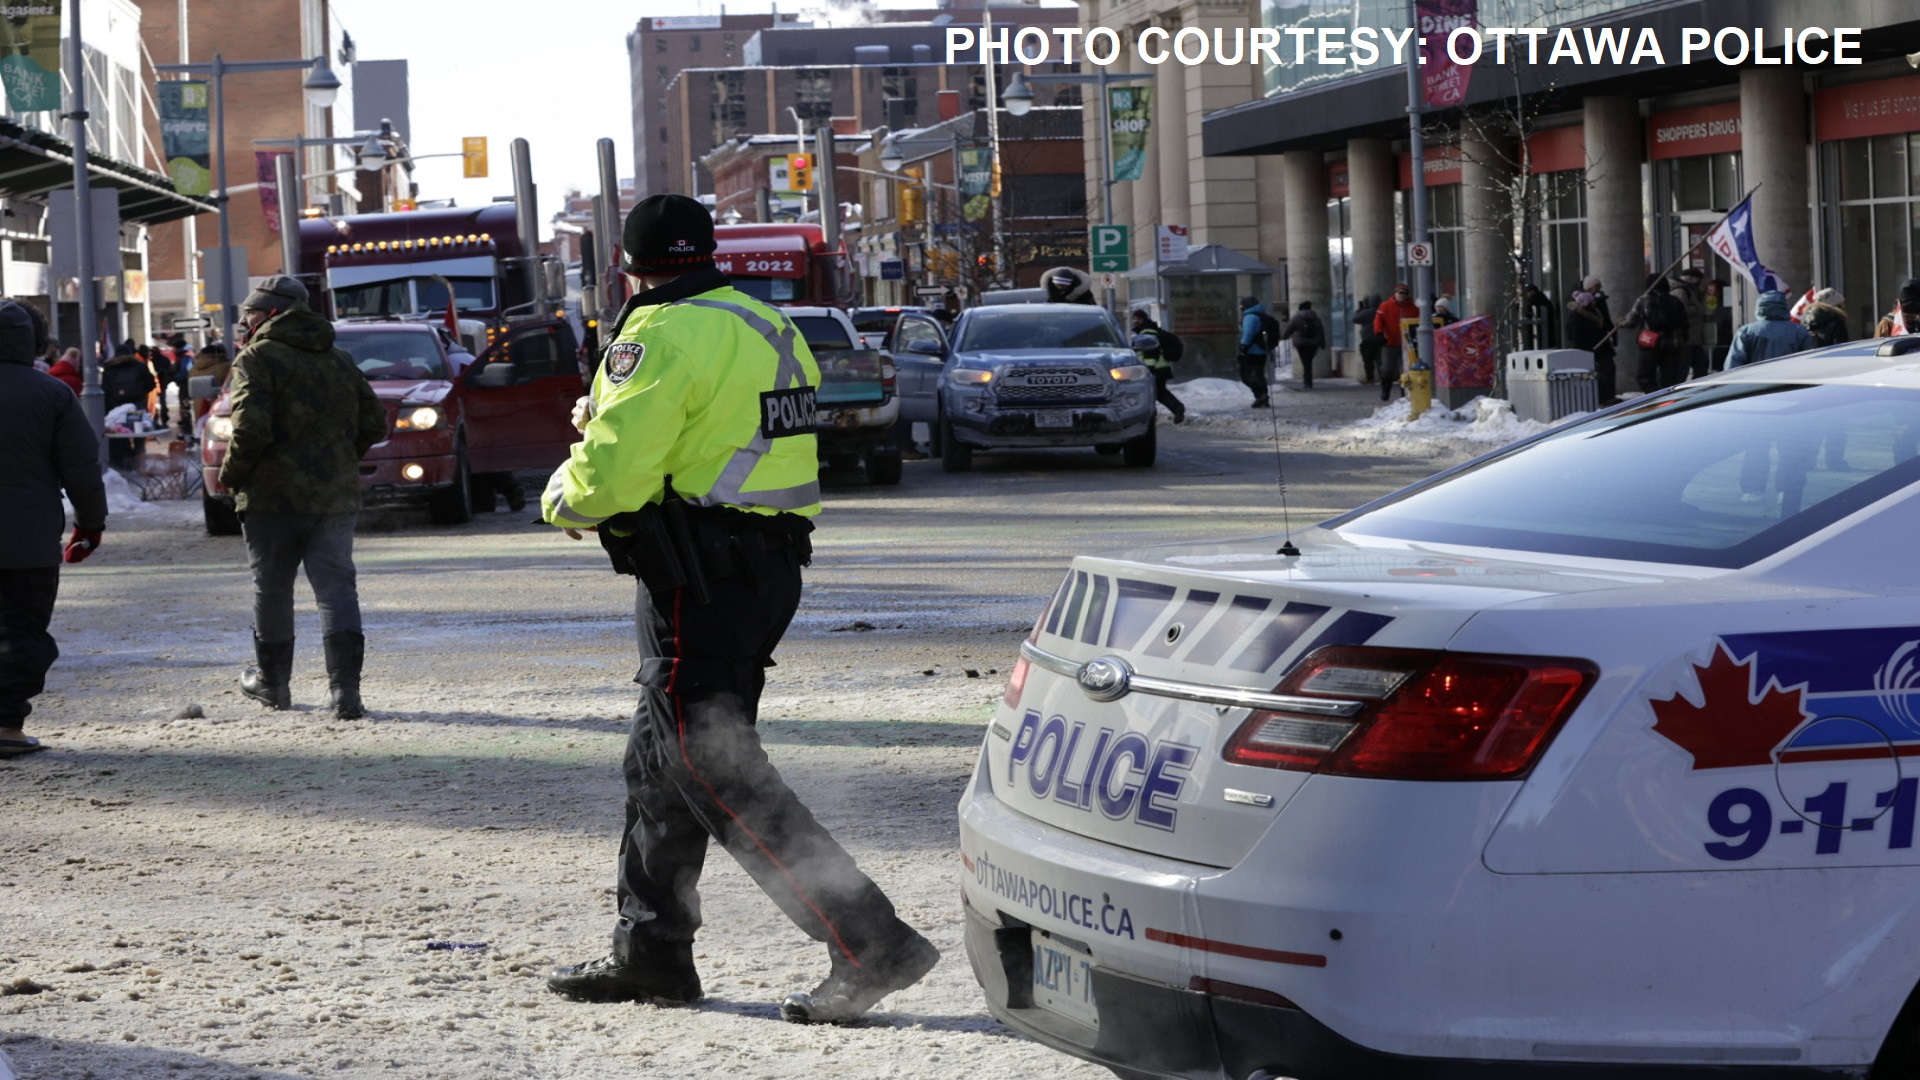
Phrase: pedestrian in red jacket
(67, 369)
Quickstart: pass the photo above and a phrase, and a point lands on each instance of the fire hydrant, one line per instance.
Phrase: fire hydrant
(1418, 384)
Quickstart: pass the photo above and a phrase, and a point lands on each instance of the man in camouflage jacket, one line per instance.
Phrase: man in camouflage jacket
(302, 417)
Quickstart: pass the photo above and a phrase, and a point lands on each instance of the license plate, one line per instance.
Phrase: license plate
(1053, 419)
(1062, 982)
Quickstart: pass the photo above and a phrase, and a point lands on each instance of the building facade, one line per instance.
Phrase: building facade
(793, 77)
(260, 105)
(39, 260)
(1547, 173)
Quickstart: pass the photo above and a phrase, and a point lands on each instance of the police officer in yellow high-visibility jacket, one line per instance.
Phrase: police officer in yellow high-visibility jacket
(698, 467)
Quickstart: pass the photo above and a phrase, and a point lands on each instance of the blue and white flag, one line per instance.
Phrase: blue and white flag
(1732, 240)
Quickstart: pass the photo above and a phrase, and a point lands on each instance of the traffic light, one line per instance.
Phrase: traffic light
(913, 203)
(799, 172)
(474, 152)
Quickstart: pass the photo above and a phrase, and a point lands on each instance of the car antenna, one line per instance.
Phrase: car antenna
(1280, 474)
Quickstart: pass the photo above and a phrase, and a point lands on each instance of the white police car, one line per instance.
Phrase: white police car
(1597, 756)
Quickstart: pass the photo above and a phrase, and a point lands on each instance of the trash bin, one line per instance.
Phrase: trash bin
(1551, 384)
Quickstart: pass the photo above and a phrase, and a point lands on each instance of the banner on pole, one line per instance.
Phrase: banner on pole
(1131, 110)
(30, 66)
(976, 183)
(263, 171)
(1443, 83)
(184, 131)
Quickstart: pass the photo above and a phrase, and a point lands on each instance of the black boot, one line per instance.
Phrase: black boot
(345, 652)
(848, 991)
(267, 683)
(664, 974)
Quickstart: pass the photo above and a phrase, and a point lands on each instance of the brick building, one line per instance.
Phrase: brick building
(701, 82)
(260, 105)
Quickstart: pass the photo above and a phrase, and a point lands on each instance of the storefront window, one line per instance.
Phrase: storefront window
(1876, 228)
(1562, 197)
(1339, 320)
(1692, 184)
(1449, 243)
(1856, 177)
(1890, 166)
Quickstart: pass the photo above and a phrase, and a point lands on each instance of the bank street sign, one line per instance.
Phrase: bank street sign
(1109, 248)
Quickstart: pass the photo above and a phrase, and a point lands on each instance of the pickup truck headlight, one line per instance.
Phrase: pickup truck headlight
(971, 376)
(1130, 373)
(220, 428)
(417, 418)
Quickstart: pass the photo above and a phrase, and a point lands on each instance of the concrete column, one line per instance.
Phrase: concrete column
(1224, 195)
(1486, 207)
(1616, 229)
(1170, 145)
(1371, 181)
(1773, 154)
(1303, 175)
(1270, 213)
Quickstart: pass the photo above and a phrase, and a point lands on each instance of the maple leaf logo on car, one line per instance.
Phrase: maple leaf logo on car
(1731, 727)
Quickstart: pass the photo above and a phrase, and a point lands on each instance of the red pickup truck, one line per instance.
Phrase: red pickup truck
(457, 427)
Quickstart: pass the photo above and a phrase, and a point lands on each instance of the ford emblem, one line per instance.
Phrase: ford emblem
(1105, 679)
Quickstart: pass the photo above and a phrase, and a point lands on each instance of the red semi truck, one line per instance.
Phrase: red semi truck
(505, 407)
(787, 264)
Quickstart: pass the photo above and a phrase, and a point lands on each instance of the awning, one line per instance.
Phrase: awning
(34, 163)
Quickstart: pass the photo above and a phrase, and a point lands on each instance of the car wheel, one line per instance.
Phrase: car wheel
(454, 506)
(955, 456)
(883, 465)
(480, 491)
(221, 518)
(1900, 1055)
(1139, 452)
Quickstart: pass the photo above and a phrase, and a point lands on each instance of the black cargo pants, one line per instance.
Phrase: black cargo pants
(695, 768)
(27, 650)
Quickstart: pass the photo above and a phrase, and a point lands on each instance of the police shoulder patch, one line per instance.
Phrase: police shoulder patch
(623, 359)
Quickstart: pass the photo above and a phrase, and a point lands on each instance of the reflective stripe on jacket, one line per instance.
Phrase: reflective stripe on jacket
(715, 391)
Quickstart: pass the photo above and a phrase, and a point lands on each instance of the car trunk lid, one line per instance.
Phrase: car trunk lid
(1145, 665)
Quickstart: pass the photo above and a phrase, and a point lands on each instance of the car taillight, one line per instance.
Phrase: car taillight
(1425, 715)
(1016, 684)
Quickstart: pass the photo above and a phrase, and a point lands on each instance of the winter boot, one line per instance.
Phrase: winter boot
(345, 652)
(267, 683)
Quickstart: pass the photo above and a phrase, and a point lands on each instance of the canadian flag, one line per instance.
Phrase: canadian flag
(453, 319)
(1800, 306)
(1899, 318)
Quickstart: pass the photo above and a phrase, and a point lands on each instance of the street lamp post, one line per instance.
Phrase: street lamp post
(1019, 101)
(321, 86)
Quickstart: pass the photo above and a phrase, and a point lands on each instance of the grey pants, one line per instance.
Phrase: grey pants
(278, 545)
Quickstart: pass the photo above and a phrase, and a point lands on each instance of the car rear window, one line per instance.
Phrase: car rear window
(394, 355)
(821, 332)
(1014, 329)
(873, 322)
(1714, 475)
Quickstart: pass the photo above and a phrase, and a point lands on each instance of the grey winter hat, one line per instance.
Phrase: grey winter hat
(277, 293)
